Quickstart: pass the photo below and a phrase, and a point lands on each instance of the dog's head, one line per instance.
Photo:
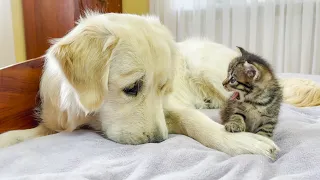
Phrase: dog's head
(121, 67)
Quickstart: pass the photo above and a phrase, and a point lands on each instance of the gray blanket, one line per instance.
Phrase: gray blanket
(86, 155)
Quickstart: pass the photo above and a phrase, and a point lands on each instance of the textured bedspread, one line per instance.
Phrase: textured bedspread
(85, 155)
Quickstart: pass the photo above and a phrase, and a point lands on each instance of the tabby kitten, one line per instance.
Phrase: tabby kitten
(255, 103)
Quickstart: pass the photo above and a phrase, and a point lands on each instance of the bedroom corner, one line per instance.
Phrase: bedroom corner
(15, 49)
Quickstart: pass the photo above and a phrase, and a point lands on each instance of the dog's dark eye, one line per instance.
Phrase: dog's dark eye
(134, 89)
(232, 80)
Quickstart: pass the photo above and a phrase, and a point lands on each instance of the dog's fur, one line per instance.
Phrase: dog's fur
(301, 92)
(87, 71)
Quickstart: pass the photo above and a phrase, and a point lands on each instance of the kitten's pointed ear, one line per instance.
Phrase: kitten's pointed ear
(242, 51)
(251, 71)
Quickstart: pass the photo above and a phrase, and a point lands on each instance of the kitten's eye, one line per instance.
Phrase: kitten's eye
(134, 89)
(232, 80)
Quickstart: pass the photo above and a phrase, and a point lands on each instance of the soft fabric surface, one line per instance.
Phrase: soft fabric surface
(86, 155)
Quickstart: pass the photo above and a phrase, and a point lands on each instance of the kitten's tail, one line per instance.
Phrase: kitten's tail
(300, 92)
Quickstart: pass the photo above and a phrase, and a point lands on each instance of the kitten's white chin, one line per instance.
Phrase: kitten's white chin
(241, 96)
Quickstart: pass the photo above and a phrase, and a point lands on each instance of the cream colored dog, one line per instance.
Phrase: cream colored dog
(125, 76)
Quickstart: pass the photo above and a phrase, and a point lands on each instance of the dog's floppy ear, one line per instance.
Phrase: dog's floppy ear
(83, 56)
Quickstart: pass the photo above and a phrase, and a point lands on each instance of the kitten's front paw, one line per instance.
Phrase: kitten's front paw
(234, 127)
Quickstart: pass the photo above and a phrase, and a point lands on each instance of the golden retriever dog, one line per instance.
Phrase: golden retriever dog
(126, 77)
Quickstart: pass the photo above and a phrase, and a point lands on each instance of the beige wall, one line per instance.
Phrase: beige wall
(7, 51)
(128, 6)
(18, 32)
(135, 6)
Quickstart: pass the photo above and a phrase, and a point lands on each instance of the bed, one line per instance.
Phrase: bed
(86, 155)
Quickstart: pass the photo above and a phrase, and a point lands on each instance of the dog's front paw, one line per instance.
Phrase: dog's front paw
(234, 127)
(249, 143)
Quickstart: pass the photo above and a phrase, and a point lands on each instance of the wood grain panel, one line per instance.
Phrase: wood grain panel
(19, 86)
(102, 6)
(44, 20)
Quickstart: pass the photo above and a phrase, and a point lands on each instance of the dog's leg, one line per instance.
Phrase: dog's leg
(209, 90)
(13, 137)
(198, 126)
(215, 96)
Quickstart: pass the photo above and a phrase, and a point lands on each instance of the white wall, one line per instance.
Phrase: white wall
(7, 56)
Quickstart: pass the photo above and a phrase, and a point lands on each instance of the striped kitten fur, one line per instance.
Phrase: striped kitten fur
(255, 104)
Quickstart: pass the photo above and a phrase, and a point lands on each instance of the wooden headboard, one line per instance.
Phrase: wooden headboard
(19, 86)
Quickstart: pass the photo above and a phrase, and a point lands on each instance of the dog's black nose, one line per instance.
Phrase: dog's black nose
(158, 139)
